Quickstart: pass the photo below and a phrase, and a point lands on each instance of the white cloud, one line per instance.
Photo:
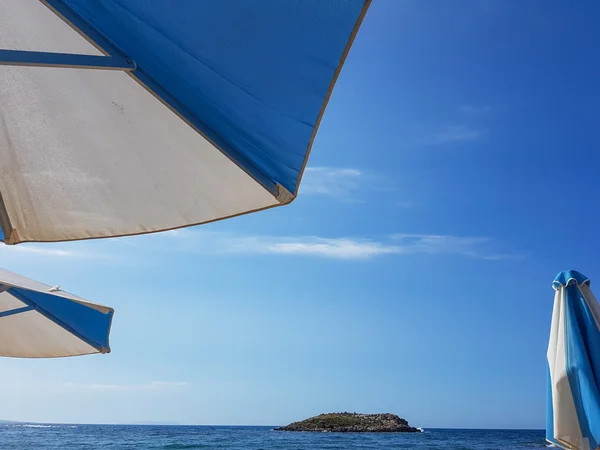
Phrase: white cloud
(476, 247)
(196, 241)
(330, 181)
(344, 184)
(456, 134)
(342, 248)
(347, 248)
(93, 249)
(154, 385)
(178, 232)
(50, 251)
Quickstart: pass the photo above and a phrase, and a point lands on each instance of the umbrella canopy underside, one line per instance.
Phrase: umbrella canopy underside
(91, 153)
(38, 321)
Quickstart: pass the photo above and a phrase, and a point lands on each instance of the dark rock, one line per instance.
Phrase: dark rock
(352, 423)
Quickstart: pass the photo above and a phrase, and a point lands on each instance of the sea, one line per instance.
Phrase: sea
(134, 437)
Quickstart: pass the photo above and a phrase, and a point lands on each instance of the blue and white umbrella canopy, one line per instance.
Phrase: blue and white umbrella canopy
(40, 321)
(573, 409)
(122, 117)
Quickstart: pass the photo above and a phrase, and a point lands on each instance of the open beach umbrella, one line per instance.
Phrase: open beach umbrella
(122, 117)
(573, 409)
(40, 321)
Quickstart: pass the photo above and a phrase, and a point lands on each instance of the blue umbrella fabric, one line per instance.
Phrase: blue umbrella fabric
(123, 117)
(40, 321)
(573, 406)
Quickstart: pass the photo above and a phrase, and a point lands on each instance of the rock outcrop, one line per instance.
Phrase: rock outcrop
(352, 423)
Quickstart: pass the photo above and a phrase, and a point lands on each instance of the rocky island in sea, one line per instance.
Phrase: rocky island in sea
(352, 423)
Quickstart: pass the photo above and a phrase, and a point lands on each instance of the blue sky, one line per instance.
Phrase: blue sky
(453, 176)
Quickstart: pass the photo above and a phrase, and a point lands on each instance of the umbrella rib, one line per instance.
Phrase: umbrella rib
(68, 60)
(56, 320)
(12, 312)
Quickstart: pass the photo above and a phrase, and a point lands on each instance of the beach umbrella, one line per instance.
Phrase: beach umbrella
(40, 321)
(122, 117)
(573, 408)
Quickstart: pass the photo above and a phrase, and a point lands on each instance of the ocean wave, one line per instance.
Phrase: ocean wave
(183, 446)
(540, 445)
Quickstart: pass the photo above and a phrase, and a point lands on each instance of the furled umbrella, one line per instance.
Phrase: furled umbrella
(122, 117)
(573, 407)
(41, 321)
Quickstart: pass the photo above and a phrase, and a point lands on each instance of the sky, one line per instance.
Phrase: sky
(453, 176)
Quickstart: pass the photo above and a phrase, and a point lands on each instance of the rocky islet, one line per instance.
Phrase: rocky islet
(352, 423)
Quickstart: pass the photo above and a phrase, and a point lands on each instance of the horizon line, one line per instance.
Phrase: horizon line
(175, 424)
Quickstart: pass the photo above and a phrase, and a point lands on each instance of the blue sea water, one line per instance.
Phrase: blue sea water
(91, 437)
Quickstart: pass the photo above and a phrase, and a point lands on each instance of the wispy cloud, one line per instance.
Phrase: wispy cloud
(475, 110)
(345, 184)
(474, 247)
(153, 385)
(455, 134)
(336, 182)
(343, 248)
(50, 251)
(179, 232)
(62, 251)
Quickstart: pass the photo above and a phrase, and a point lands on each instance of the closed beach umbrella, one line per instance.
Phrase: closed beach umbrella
(573, 409)
(40, 321)
(122, 117)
